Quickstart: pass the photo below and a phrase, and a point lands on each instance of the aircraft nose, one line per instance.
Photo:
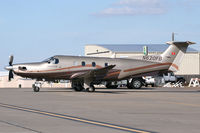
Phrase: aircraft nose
(9, 68)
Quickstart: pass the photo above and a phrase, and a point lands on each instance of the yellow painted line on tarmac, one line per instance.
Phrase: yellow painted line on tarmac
(75, 119)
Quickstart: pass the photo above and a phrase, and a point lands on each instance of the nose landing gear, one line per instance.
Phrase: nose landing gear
(36, 86)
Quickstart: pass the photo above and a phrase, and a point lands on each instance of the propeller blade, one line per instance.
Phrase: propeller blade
(11, 60)
(10, 76)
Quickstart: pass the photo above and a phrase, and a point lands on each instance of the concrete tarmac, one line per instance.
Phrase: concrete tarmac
(58, 110)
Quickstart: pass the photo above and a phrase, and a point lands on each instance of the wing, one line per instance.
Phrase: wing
(96, 74)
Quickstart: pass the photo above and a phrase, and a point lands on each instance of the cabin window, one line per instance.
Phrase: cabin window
(93, 64)
(106, 64)
(83, 63)
(56, 61)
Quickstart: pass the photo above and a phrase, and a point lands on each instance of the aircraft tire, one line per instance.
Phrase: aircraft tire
(129, 86)
(136, 83)
(78, 88)
(36, 89)
(91, 89)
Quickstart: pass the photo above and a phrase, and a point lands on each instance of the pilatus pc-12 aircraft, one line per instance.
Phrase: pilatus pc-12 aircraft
(84, 72)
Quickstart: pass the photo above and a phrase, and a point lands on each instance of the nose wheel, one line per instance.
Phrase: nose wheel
(36, 89)
(37, 86)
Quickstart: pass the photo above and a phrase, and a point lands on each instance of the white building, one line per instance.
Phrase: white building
(19, 82)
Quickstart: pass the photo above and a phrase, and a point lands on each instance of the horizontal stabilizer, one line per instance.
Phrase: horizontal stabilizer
(181, 43)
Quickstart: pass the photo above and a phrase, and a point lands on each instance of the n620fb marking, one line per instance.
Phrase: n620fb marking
(84, 72)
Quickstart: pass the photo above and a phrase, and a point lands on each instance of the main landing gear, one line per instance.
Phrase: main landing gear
(36, 86)
(111, 85)
(85, 85)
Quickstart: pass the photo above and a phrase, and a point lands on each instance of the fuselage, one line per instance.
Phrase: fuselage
(63, 67)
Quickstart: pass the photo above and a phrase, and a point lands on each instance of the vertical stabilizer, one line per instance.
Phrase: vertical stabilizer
(175, 53)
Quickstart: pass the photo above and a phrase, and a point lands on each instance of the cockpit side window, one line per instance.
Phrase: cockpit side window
(52, 60)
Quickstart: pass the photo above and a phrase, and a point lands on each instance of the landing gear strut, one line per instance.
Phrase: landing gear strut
(111, 85)
(89, 87)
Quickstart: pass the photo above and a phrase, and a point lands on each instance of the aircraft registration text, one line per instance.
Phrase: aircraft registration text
(152, 58)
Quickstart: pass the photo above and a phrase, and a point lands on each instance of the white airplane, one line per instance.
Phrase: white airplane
(84, 72)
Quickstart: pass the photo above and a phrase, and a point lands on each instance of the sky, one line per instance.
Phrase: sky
(33, 30)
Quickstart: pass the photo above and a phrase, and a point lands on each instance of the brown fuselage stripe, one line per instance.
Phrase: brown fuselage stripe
(150, 66)
(175, 66)
(144, 67)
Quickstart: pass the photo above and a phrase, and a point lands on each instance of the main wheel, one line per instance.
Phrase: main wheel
(36, 89)
(136, 83)
(78, 88)
(129, 86)
(90, 89)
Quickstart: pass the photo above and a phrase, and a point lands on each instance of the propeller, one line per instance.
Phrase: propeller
(11, 75)
(11, 60)
(10, 68)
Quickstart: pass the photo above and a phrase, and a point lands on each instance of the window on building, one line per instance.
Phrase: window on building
(83, 63)
(93, 64)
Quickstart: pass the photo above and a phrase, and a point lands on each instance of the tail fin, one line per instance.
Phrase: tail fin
(175, 53)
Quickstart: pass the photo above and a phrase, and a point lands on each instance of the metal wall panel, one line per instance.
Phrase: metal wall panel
(189, 65)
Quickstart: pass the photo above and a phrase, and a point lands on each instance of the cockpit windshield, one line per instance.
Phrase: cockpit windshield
(51, 60)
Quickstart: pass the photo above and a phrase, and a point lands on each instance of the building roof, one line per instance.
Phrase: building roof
(139, 47)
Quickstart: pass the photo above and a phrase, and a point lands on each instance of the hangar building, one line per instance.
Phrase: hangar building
(190, 66)
(19, 82)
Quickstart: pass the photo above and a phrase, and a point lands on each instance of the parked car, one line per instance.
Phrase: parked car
(149, 80)
(161, 80)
